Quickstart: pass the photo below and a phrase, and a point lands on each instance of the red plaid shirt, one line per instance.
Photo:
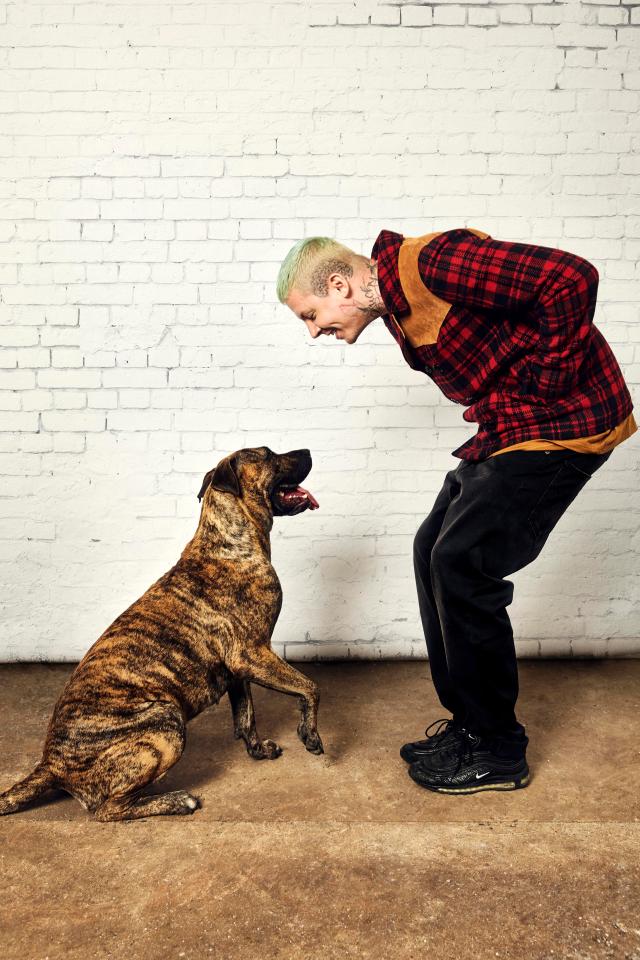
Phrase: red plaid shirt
(518, 345)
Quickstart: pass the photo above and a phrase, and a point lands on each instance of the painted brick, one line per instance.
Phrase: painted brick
(148, 194)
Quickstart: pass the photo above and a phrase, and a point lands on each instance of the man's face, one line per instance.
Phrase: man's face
(335, 315)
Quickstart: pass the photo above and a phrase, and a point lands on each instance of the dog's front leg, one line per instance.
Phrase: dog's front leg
(244, 723)
(263, 666)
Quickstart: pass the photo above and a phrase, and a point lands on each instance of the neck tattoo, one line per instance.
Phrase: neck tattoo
(373, 305)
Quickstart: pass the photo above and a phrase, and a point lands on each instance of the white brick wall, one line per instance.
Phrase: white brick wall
(157, 160)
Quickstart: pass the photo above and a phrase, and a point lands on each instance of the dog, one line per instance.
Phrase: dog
(200, 631)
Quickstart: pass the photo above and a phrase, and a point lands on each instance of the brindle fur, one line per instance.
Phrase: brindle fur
(200, 631)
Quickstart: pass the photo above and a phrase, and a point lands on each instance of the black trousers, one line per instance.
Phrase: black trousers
(490, 519)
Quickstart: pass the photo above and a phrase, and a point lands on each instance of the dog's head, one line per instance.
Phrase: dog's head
(275, 476)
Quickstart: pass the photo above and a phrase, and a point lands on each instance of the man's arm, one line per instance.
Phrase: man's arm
(556, 289)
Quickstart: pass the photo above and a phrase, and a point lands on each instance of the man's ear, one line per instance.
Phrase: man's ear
(224, 478)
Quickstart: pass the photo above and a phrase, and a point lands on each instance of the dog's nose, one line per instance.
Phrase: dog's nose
(301, 456)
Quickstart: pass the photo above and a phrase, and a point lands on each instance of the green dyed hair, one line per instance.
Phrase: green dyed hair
(305, 266)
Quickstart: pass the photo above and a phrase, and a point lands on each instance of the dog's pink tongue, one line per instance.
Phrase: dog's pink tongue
(310, 497)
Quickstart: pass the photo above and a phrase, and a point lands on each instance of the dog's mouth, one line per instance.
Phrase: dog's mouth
(286, 494)
(289, 499)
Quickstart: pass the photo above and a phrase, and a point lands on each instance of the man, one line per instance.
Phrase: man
(507, 330)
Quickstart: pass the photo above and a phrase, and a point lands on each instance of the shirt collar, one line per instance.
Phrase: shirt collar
(385, 251)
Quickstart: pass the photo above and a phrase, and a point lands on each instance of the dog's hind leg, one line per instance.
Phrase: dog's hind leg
(262, 665)
(244, 723)
(127, 808)
(113, 784)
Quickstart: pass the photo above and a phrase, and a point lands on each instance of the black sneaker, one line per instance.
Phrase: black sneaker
(443, 737)
(470, 766)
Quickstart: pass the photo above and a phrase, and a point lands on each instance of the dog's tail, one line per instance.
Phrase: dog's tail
(22, 793)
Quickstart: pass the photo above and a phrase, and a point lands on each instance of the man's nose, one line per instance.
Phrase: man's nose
(313, 330)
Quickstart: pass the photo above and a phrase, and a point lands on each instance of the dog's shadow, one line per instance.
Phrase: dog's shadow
(211, 748)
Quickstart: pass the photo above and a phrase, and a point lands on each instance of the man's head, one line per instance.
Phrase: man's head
(334, 290)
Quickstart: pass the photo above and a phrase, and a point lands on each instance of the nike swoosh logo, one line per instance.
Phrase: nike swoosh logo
(479, 775)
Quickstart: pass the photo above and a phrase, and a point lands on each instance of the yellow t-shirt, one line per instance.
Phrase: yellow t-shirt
(597, 443)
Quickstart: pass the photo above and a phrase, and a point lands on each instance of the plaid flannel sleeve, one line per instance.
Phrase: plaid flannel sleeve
(554, 289)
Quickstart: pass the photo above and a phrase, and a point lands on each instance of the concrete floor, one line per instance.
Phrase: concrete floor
(342, 855)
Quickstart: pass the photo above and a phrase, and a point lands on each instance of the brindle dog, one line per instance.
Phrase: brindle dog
(201, 630)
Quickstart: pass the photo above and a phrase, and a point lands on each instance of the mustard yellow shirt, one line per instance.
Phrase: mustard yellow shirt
(597, 443)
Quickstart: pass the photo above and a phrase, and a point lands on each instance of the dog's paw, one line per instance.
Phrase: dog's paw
(264, 750)
(271, 749)
(183, 802)
(192, 803)
(314, 744)
(311, 739)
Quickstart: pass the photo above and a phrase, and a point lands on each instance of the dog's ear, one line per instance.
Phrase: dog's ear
(205, 484)
(224, 478)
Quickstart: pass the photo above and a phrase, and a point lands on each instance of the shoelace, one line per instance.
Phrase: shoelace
(447, 725)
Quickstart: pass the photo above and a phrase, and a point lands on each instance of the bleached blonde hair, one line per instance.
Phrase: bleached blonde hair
(309, 264)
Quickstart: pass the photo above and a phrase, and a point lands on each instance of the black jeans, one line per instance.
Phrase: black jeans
(490, 519)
